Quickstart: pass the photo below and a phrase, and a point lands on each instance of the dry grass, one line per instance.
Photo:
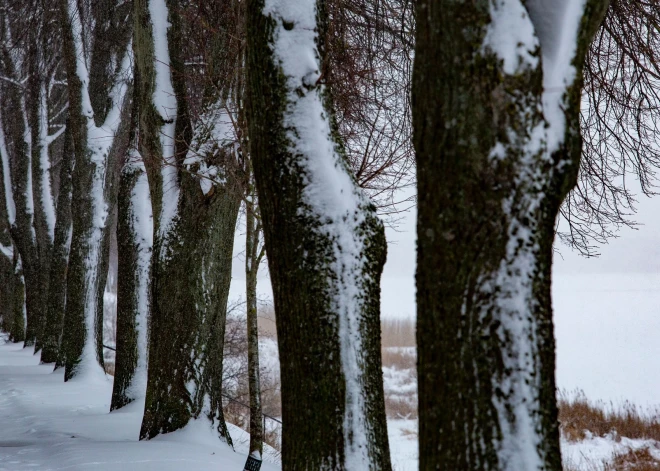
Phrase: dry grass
(578, 415)
(634, 460)
(235, 380)
(394, 332)
(397, 333)
(400, 368)
(401, 359)
(266, 321)
(640, 459)
(409, 433)
(397, 407)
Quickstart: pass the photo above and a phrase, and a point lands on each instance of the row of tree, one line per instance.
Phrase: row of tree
(133, 116)
(164, 117)
(105, 106)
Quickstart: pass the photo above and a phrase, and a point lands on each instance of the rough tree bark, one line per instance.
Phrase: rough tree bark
(17, 331)
(134, 245)
(29, 65)
(18, 144)
(7, 288)
(253, 257)
(14, 283)
(326, 247)
(495, 111)
(42, 71)
(96, 102)
(9, 279)
(194, 224)
(6, 283)
(52, 333)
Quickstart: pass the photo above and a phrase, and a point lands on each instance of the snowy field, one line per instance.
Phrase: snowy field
(607, 329)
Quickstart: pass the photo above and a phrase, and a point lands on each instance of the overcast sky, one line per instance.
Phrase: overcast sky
(634, 251)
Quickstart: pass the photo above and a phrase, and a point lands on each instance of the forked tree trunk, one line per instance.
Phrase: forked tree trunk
(495, 111)
(193, 236)
(326, 248)
(95, 132)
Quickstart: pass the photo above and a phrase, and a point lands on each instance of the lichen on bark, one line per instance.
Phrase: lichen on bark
(333, 410)
(95, 175)
(489, 190)
(53, 328)
(194, 234)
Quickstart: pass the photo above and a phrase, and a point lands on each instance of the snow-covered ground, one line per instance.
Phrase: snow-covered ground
(594, 453)
(607, 328)
(605, 323)
(46, 424)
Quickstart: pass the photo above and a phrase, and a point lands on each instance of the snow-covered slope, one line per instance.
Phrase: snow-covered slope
(46, 424)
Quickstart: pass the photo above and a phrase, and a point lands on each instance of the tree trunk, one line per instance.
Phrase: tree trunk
(9, 279)
(6, 287)
(44, 207)
(7, 273)
(135, 240)
(94, 182)
(193, 236)
(253, 258)
(17, 332)
(30, 61)
(52, 334)
(326, 248)
(23, 231)
(7, 282)
(13, 291)
(496, 153)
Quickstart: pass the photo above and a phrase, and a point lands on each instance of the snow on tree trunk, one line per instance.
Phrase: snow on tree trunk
(94, 180)
(194, 224)
(29, 71)
(326, 247)
(44, 207)
(52, 333)
(495, 108)
(9, 279)
(135, 240)
(13, 290)
(23, 230)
